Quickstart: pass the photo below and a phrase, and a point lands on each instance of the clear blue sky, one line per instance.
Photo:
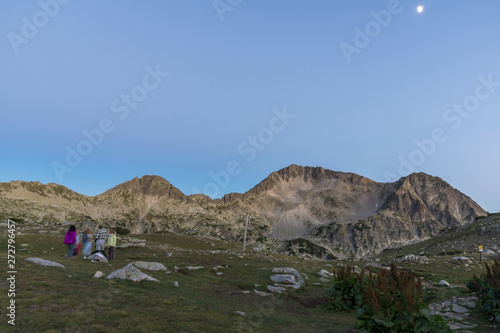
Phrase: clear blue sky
(252, 87)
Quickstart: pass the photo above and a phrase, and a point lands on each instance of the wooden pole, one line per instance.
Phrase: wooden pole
(245, 237)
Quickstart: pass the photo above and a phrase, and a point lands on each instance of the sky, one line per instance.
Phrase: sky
(215, 95)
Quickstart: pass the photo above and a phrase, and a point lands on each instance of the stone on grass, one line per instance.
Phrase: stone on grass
(176, 284)
(443, 283)
(459, 309)
(278, 290)
(261, 293)
(288, 270)
(130, 272)
(283, 278)
(293, 286)
(150, 266)
(241, 313)
(324, 273)
(324, 280)
(99, 275)
(44, 262)
(193, 268)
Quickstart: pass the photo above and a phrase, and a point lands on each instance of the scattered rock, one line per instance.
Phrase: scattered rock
(241, 313)
(443, 283)
(459, 309)
(99, 275)
(288, 270)
(130, 272)
(278, 290)
(176, 284)
(193, 268)
(261, 293)
(324, 280)
(44, 262)
(324, 273)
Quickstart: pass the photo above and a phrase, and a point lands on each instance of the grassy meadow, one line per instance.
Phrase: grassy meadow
(52, 299)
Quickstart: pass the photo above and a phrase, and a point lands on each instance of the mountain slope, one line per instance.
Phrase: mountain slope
(345, 214)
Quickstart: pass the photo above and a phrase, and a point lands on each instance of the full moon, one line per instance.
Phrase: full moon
(420, 9)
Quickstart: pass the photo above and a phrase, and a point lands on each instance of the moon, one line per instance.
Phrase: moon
(420, 9)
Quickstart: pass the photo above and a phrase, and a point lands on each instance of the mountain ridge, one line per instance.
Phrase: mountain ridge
(343, 213)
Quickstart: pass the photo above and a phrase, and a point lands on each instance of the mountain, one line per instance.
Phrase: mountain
(304, 209)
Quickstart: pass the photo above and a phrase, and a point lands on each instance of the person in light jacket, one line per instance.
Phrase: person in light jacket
(111, 245)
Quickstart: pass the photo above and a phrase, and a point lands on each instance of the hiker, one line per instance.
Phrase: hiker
(100, 238)
(87, 244)
(70, 240)
(111, 245)
(78, 244)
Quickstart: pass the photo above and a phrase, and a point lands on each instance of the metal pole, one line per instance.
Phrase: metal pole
(245, 237)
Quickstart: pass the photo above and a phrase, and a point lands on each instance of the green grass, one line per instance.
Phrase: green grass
(52, 299)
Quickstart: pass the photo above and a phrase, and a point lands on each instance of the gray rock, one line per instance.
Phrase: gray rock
(288, 270)
(99, 275)
(150, 266)
(469, 305)
(276, 289)
(261, 293)
(459, 309)
(193, 268)
(44, 262)
(283, 278)
(130, 272)
(452, 316)
(443, 283)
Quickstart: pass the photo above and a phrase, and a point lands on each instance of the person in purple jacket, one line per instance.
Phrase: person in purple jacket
(70, 240)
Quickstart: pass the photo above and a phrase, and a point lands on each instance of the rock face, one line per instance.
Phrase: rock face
(335, 214)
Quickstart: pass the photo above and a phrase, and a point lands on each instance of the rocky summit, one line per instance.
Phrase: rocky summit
(306, 210)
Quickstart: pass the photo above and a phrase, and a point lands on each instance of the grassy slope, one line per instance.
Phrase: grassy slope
(69, 300)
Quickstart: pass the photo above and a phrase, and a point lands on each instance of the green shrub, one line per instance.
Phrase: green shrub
(487, 288)
(389, 301)
(347, 290)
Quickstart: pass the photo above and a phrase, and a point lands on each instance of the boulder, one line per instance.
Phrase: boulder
(44, 262)
(283, 278)
(150, 266)
(443, 283)
(130, 272)
(288, 270)
(99, 275)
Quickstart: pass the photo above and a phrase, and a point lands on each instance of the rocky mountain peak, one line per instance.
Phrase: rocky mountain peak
(148, 185)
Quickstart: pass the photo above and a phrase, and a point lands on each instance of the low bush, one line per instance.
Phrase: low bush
(487, 288)
(389, 301)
